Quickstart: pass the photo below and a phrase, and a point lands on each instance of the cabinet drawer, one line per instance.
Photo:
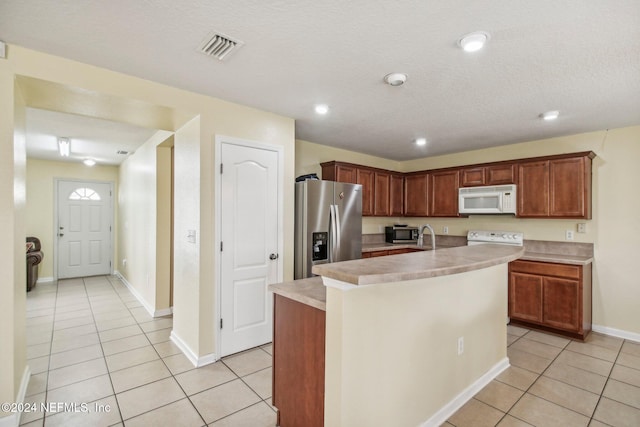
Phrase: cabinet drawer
(546, 269)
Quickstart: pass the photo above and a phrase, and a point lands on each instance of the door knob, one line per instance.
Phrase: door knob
(273, 256)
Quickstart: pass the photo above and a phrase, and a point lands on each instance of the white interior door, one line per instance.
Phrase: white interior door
(84, 229)
(249, 243)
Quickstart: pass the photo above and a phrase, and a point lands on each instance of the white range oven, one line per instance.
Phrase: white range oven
(481, 237)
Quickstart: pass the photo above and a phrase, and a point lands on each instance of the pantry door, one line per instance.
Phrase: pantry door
(83, 229)
(250, 232)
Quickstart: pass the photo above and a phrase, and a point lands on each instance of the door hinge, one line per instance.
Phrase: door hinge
(221, 247)
(221, 168)
(220, 323)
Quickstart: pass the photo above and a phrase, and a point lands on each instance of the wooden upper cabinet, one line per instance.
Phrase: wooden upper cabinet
(499, 174)
(533, 189)
(416, 194)
(396, 195)
(570, 187)
(382, 194)
(473, 176)
(340, 172)
(366, 178)
(559, 187)
(443, 195)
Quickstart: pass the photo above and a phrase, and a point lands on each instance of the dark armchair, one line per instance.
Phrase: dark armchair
(34, 257)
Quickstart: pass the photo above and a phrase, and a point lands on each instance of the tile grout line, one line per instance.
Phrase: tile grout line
(172, 375)
(104, 357)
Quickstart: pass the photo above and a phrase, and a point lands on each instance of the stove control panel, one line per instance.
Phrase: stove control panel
(497, 237)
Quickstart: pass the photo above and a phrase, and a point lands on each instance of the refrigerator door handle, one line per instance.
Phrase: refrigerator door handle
(333, 235)
(337, 245)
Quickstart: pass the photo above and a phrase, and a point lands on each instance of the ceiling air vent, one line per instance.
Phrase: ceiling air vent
(219, 46)
(122, 152)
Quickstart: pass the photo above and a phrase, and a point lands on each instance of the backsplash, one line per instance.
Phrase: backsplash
(441, 240)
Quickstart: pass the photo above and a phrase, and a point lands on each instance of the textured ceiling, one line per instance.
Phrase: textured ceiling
(579, 57)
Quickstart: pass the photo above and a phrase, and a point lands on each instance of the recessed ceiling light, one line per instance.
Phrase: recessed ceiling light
(473, 42)
(550, 115)
(89, 162)
(395, 79)
(322, 109)
(421, 142)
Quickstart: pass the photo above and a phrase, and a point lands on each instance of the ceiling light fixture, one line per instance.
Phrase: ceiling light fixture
(420, 142)
(322, 109)
(550, 115)
(64, 147)
(473, 42)
(89, 162)
(395, 79)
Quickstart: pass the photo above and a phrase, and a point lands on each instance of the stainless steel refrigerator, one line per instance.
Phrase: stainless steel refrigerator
(328, 224)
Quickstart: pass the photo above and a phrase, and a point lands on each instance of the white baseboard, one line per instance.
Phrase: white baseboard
(193, 358)
(632, 336)
(450, 408)
(13, 420)
(45, 280)
(151, 310)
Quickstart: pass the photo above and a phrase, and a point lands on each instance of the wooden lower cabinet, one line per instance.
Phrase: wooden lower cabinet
(373, 254)
(298, 363)
(552, 297)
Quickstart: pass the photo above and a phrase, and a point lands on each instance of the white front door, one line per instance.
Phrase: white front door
(84, 228)
(249, 244)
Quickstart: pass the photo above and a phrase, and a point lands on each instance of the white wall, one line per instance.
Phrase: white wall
(12, 246)
(137, 212)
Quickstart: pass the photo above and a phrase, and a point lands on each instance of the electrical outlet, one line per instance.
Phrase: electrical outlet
(568, 235)
(582, 227)
(445, 230)
(124, 262)
(460, 345)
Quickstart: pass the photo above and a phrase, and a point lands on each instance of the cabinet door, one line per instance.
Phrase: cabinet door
(382, 194)
(562, 302)
(444, 193)
(416, 195)
(500, 174)
(525, 297)
(567, 188)
(346, 174)
(399, 251)
(533, 189)
(365, 177)
(473, 176)
(396, 195)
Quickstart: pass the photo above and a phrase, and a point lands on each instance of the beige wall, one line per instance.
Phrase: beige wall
(59, 84)
(614, 229)
(138, 200)
(41, 178)
(391, 349)
(12, 246)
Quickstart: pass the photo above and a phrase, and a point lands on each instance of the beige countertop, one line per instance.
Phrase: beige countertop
(418, 265)
(308, 291)
(557, 258)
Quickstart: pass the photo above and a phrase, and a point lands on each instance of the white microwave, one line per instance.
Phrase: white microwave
(500, 199)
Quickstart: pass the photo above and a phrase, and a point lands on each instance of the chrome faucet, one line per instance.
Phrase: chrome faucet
(421, 237)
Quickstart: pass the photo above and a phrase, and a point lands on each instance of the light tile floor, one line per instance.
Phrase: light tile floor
(554, 381)
(90, 341)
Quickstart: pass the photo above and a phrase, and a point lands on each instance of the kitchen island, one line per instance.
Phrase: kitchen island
(407, 338)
